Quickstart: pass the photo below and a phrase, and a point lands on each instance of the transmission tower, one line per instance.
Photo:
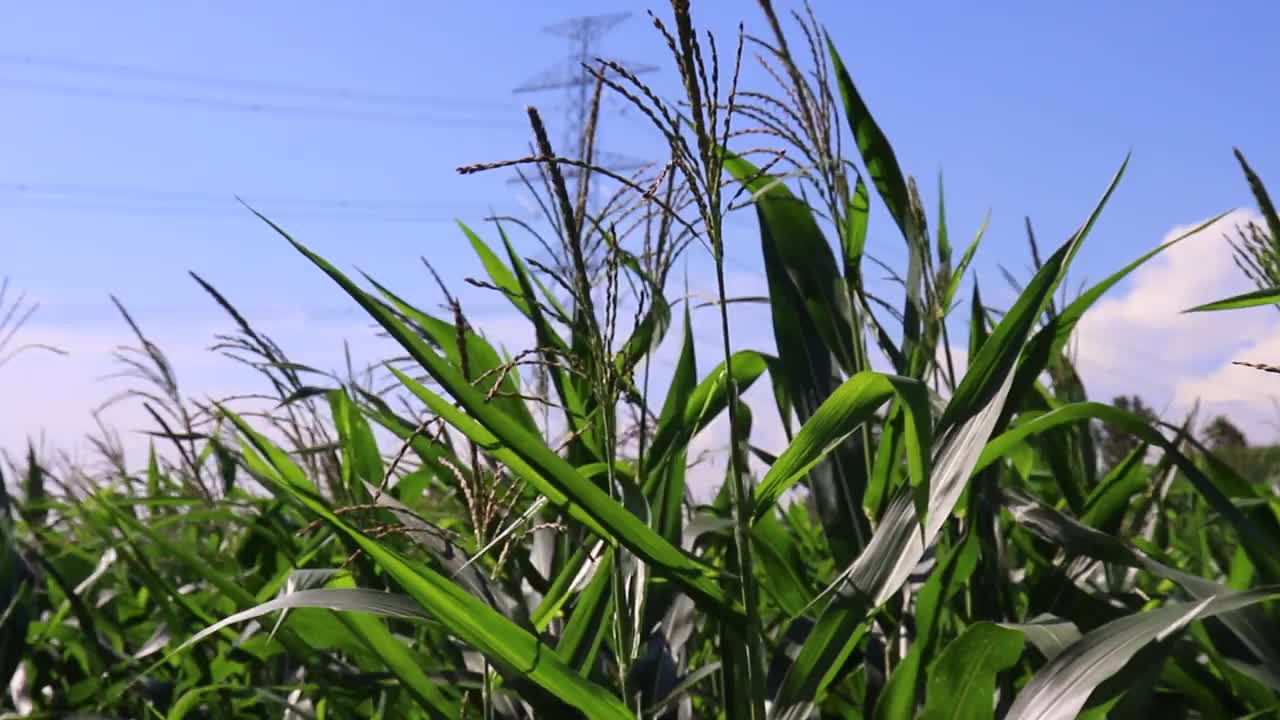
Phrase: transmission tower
(573, 77)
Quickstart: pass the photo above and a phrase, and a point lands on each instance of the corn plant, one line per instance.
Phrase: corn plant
(510, 535)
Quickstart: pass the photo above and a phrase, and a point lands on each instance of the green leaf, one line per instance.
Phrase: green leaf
(854, 238)
(977, 322)
(1252, 627)
(704, 404)
(562, 484)
(652, 327)
(568, 576)
(566, 487)
(954, 568)
(451, 557)
(899, 696)
(1265, 206)
(876, 152)
(1064, 323)
(438, 458)
(1110, 500)
(666, 495)
(899, 542)
(590, 619)
(852, 404)
(795, 249)
(518, 285)
(1050, 634)
(953, 286)
(812, 308)
(1004, 346)
(15, 596)
(498, 272)
(483, 368)
(1062, 687)
(361, 460)
(783, 565)
(1259, 539)
(886, 468)
(884, 566)
(1267, 296)
(465, 615)
(962, 680)
(355, 607)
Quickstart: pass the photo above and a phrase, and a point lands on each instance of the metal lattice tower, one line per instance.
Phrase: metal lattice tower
(573, 77)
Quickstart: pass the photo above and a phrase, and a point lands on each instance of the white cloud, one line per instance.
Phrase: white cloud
(1138, 341)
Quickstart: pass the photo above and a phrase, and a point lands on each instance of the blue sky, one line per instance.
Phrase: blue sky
(1026, 108)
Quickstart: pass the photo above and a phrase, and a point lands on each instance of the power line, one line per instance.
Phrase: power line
(335, 215)
(478, 313)
(341, 93)
(193, 101)
(85, 310)
(573, 76)
(71, 197)
(81, 191)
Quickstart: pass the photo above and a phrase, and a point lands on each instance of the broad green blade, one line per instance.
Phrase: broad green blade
(1050, 634)
(556, 479)
(1064, 323)
(1110, 500)
(1260, 539)
(899, 697)
(1060, 689)
(783, 565)
(552, 350)
(484, 368)
(585, 500)
(854, 238)
(466, 616)
(962, 680)
(1004, 346)
(498, 272)
(808, 372)
(16, 584)
(899, 541)
(953, 286)
(817, 336)
(877, 154)
(852, 404)
(800, 253)
(887, 467)
(361, 460)
(1257, 298)
(884, 566)
(590, 619)
(354, 606)
(955, 567)
(667, 489)
(373, 602)
(575, 572)
(703, 405)
(652, 328)
(978, 323)
(1252, 626)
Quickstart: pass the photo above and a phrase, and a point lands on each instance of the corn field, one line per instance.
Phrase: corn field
(471, 532)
